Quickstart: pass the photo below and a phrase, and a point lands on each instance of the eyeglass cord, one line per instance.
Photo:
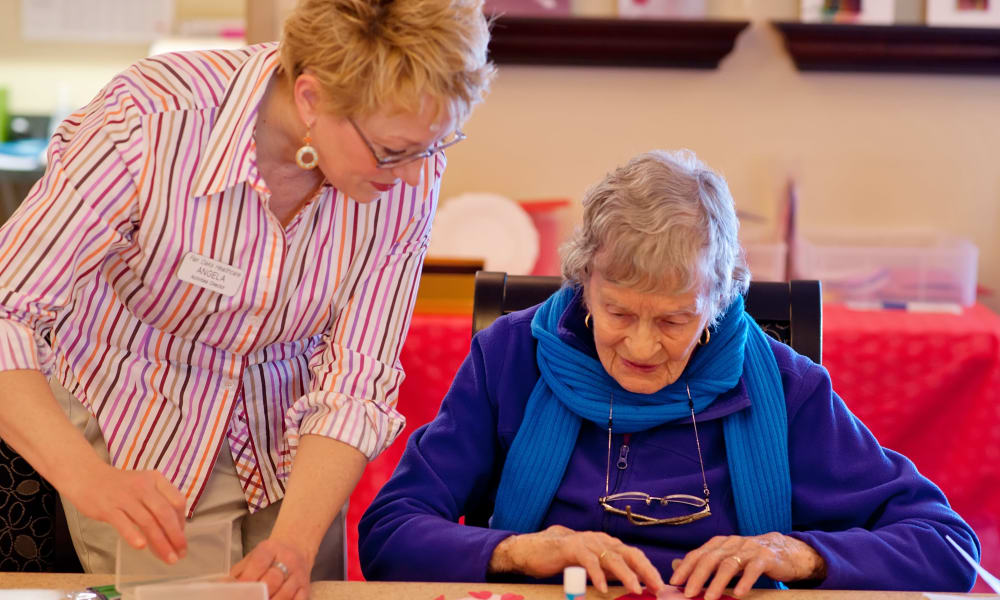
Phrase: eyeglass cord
(697, 442)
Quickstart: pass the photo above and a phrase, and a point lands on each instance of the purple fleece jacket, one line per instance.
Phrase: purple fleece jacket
(877, 522)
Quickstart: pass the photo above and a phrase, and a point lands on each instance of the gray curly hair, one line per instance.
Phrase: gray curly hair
(663, 223)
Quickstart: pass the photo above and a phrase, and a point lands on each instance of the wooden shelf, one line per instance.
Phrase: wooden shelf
(892, 48)
(613, 42)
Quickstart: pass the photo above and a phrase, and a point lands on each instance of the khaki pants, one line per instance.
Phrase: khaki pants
(95, 542)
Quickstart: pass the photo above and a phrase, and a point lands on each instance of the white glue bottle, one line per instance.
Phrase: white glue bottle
(574, 582)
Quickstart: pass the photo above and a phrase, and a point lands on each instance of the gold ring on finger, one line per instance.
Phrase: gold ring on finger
(739, 561)
(601, 557)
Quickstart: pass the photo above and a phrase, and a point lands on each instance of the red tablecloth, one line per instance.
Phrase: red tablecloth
(927, 385)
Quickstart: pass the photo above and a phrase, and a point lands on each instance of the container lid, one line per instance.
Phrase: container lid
(204, 590)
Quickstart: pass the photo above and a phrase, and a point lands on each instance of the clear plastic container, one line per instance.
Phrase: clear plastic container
(207, 559)
(887, 266)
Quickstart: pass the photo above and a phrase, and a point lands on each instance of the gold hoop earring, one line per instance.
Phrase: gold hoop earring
(586, 321)
(306, 157)
(704, 337)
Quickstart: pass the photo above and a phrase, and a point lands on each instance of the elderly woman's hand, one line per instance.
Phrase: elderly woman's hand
(780, 557)
(548, 552)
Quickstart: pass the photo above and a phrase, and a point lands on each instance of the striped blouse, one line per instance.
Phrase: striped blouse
(156, 177)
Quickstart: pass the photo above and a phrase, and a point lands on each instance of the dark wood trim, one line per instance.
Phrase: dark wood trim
(892, 48)
(21, 176)
(612, 42)
(452, 266)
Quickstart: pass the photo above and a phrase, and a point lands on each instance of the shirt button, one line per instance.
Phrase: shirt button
(229, 384)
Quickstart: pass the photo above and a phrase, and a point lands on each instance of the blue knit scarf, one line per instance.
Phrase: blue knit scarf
(575, 386)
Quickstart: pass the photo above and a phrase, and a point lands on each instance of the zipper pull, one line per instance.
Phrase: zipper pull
(623, 454)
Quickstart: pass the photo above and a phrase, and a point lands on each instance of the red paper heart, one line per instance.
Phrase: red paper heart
(678, 592)
(481, 595)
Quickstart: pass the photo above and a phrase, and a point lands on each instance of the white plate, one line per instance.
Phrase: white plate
(487, 226)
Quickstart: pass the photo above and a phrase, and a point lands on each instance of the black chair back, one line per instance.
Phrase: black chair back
(791, 312)
(34, 537)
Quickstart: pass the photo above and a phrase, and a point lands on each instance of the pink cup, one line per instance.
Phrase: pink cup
(548, 216)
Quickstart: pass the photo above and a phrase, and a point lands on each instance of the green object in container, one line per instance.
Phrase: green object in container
(4, 125)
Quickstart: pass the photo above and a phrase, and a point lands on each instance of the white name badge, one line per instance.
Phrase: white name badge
(210, 274)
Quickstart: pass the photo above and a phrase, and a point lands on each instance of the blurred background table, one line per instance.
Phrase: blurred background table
(927, 385)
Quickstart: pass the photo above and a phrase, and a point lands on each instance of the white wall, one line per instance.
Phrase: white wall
(880, 151)
(883, 151)
(33, 72)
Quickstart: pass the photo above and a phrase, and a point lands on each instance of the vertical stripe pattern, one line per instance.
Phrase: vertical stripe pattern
(162, 163)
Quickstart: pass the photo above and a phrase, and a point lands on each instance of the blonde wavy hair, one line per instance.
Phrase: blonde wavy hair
(662, 223)
(370, 54)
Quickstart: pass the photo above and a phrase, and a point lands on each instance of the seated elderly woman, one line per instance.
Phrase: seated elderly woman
(640, 424)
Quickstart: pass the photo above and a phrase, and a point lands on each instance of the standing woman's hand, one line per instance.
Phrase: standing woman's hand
(324, 472)
(145, 508)
(780, 557)
(281, 565)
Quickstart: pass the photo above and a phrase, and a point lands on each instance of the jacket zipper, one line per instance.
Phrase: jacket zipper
(623, 453)
(622, 463)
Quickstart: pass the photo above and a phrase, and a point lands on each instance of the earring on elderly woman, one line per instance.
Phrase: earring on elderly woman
(586, 321)
(705, 337)
(306, 157)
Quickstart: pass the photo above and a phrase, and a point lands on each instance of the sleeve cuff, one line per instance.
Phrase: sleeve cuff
(369, 426)
(835, 575)
(21, 349)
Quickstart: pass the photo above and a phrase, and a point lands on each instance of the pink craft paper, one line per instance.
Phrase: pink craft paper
(488, 595)
(667, 594)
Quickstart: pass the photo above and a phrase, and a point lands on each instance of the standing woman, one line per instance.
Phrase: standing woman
(216, 275)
